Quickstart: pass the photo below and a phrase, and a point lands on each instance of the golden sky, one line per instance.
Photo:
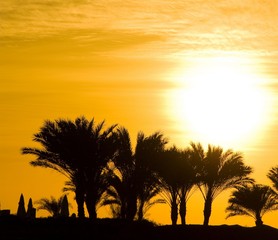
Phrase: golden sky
(147, 65)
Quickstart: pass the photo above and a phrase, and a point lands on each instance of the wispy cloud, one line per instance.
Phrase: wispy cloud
(181, 24)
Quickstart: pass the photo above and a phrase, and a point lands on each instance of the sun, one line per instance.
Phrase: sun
(219, 100)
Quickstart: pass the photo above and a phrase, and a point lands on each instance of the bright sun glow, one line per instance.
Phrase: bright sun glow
(220, 101)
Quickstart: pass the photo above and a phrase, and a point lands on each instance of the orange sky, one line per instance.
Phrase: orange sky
(125, 62)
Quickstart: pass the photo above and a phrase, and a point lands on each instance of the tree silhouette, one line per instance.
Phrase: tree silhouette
(55, 207)
(147, 152)
(103, 152)
(121, 177)
(218, 170)
(273, 176)
(133, 183)
(31, 211)
(169, 180)
(65, 207)
(252, 200)
(103, 169)
(177, 178)
(80, 150)
(188, 179)
(21, 211)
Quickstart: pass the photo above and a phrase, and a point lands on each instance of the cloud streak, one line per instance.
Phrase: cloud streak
(176, 25)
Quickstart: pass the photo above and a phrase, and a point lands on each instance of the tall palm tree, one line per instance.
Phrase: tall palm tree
(177, 178)
(218, 170)
(133, 183)
(167, 169)
(97, 167)
(252, 200)
(188, 179)
(273, 176)
(121, 191)
(78, 149)
(148, 150)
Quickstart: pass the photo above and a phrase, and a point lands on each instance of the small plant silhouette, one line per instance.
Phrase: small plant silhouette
(252, 200)
(55, 207)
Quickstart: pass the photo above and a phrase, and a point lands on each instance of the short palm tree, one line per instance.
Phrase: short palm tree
(273, 176)
(252, 200)
(218, 170)
(52, 205)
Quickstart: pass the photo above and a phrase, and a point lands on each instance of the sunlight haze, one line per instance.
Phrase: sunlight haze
(222, 100)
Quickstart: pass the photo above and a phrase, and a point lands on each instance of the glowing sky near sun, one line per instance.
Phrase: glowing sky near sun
(125, 61)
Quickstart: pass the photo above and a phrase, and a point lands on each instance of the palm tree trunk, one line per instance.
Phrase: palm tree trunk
(131, 208)
(140, 211)
(79, 197)
(174, 213)
(259, 221)
(92, 212)
(207, 210)
(183, 209)
(123, 209)
(91, 206)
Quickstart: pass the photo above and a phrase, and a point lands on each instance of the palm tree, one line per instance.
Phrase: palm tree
(252, 200)
(104, 150)
(169, 180)
(79, 150)
(177, 178)
(121, 192)
(148, 150)
(188, 180)
(219, 170)
(133, 183)
(53, 206)
(273, 176)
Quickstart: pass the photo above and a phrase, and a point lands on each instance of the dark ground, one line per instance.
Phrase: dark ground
(12, 228)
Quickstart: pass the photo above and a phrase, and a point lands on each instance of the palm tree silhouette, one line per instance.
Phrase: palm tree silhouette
(169, 180)
(177, 178)
(55, 207)
(218, 170)
(121, 177)
(148, 151)
(188, 180)
(79, 150)
(133, 183)
(273, 176)
(252, 200)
